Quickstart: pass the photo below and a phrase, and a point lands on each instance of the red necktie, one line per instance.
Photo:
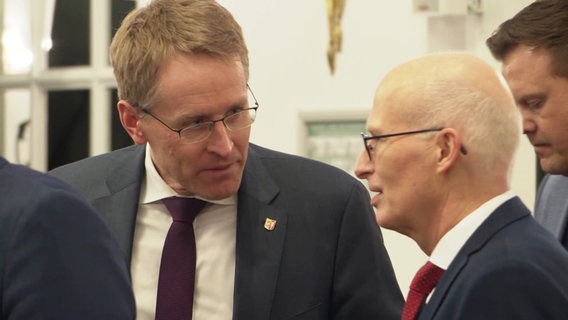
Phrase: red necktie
(424, 281)
(177, 269)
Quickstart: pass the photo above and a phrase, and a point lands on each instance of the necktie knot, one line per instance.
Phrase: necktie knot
(426, 278)
(183, 209)
(422, 284)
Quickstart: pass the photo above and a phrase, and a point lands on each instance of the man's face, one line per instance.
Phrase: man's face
(542, 98)
(398, 170)
(193, 89)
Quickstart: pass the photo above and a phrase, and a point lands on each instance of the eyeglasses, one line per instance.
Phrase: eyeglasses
(370, 148)
(237, 120)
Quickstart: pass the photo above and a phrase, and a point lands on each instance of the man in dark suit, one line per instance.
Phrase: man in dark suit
(443, 133)
(551, 207)
(58, 260)
(533, 47)
(281, 237)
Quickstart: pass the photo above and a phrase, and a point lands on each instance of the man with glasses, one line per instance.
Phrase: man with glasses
(443, 132)
(281, 237)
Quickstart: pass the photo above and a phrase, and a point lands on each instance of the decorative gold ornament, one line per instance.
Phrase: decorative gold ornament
(269, 224)
(334, 13)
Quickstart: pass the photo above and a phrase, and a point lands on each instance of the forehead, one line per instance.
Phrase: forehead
(201, 69)
(529, 74)
(388, 107)
(200, 80)
(527, 63)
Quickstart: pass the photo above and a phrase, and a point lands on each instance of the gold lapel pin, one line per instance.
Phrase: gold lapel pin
(269, 224)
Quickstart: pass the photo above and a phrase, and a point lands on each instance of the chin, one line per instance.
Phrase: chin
(391, 222)
(384, 222)
(220, 192)
(554, 167)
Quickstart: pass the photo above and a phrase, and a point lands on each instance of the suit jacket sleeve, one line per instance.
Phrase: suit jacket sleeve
(60, 260)
(365, 285)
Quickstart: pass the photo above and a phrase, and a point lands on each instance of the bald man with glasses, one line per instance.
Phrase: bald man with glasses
(443, 132)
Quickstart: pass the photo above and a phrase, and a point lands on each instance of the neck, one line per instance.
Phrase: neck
(458, 204)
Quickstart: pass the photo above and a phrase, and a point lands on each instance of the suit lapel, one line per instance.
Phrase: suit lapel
(120, 205)
(552, 207)
(505, 214)
(120, 214)
(259, 249)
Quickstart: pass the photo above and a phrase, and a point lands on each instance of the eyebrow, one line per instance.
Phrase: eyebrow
(379, 131)
(526, 97)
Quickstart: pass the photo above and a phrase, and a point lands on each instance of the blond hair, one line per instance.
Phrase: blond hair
(150, 35)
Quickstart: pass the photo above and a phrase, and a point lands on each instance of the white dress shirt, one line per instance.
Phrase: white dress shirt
(451, 243)
(215, 235)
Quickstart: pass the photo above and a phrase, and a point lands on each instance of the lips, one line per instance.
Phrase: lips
(219, 170)
(220, 164)
(219, 167)
(375, 197)
(540, 148)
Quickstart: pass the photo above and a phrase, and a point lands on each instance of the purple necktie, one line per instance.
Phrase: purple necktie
(177, 269)
(424, 281)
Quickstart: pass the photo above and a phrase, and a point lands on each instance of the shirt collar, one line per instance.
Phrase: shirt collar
(154, 188)
(451, 243)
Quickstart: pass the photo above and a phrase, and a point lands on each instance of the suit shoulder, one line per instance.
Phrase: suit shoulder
(556, 182)
(93, 176)
(93, 167)
(116, 155)
(18, 178)
(23, 188)
(551, 195)
(524, 240)
(303, 167)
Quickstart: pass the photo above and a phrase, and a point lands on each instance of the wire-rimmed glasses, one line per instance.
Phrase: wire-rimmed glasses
(369, 147)
(237, 120)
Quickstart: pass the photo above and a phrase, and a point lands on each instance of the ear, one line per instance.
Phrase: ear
(449, 143)
(130, 119)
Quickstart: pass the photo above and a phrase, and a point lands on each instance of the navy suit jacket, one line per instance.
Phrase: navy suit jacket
(551, 208)
(58, 260)
(510, 268)
(324, 260)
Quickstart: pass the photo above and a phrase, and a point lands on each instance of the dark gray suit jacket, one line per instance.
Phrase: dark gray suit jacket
(57, 258)
(551, 208)
(510, 268)
(324, 260)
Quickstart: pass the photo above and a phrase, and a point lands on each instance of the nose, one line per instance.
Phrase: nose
(220, 141)
(363, 166)
(529, 124)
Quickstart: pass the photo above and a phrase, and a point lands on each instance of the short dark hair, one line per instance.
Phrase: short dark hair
(541, 25)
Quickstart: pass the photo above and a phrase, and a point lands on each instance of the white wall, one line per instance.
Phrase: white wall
(289, 72)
